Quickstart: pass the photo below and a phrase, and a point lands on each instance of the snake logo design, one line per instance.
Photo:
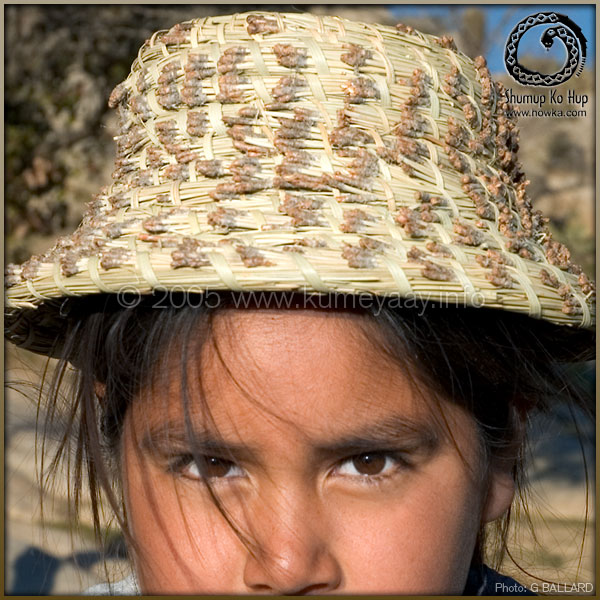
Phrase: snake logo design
(561, 27)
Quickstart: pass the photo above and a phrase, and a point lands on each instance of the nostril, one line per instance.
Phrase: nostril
(311, 590)
(303, 575)
(308, 590)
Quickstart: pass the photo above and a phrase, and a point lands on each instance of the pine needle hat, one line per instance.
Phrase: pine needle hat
(292, 152)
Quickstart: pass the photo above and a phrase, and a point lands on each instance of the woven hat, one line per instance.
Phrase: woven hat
(271, 151)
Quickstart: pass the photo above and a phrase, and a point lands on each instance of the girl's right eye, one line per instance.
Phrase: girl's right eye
(205, 467)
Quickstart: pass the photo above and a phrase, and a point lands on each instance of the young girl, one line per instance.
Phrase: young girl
(310, 317)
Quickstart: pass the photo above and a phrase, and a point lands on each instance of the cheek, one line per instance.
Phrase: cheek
(420, 542)
(182, 543)
(194, 552)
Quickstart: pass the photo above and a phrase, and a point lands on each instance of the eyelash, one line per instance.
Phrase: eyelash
(394, 462)
(180, 464)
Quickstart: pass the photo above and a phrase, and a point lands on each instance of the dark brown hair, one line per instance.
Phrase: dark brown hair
(501, 367)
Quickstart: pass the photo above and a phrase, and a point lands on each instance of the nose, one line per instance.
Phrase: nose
(290, 554)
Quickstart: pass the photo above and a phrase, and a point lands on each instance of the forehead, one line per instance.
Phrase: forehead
(319, 372)
(303, 355)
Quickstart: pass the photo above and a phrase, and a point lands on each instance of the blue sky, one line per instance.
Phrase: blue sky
(505, 16)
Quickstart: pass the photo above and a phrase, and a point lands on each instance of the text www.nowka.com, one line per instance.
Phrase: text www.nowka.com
(552, 113)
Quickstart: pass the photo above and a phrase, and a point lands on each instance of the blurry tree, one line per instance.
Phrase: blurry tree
(472, 31)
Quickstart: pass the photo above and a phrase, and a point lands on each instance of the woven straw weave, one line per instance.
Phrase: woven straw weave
(293, 152)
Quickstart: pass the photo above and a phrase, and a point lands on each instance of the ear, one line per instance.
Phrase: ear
(501, 492)
(501, 483)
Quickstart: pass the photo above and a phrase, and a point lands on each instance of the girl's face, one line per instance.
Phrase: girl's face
(327, 462)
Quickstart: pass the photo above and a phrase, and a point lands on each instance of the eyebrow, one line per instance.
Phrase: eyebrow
(174, 436)
(387, 434)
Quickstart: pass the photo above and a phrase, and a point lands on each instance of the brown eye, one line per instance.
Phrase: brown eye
(369, 463)
(370, 466)
(212, 466)
(207, 467)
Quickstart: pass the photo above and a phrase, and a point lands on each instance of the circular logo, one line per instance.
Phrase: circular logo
(561, 28)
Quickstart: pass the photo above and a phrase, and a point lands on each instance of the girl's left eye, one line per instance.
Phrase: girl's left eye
(206, 467)
(368, 464)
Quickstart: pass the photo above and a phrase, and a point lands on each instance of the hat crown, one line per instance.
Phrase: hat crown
(271, 151)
